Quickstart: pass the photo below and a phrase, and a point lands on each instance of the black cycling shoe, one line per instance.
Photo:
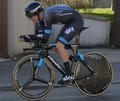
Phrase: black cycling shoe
(66, 79)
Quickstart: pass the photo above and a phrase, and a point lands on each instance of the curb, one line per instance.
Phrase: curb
(11, 88)
(116, 82)
(4, 60)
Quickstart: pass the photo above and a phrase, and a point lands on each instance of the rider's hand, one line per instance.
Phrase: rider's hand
(21, 39)
(24, 38)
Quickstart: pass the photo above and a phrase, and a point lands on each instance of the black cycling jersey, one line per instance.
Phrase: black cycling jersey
(59, 13)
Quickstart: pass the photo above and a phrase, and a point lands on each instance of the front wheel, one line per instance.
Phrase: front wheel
(94, 85)
(32, 82)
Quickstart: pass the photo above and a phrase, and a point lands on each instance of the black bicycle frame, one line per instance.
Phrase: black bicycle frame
(57, 65)
(44, 53)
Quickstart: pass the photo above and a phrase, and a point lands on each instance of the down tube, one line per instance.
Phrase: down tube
(57, 65)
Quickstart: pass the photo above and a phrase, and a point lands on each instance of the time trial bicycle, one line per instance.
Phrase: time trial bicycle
(34, 75)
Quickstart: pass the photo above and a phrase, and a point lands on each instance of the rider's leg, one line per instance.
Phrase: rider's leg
(56, 50)
(64, 55)
(70, 56)
(66, 34)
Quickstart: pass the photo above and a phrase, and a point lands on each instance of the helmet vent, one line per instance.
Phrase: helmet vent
(36, 9)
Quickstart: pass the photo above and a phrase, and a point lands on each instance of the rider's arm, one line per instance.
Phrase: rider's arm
(27, 38)
(44, 29)
(43, 34)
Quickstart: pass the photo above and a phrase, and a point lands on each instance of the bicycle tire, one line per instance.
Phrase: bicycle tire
(95, 85)
(36, 90)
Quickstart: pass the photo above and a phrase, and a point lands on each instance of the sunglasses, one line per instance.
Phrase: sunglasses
(30, 15)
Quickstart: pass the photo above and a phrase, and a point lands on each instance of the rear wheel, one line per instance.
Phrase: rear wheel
(31, 82)
(98, 84)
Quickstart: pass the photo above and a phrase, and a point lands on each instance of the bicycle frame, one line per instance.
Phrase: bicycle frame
(77, 57)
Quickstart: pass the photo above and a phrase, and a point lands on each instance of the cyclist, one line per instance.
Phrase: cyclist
(73, 23)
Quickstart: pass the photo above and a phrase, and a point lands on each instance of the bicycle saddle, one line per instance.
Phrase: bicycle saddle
(84, 28)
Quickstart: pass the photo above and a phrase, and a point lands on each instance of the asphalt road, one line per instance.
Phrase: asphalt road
(67, 94)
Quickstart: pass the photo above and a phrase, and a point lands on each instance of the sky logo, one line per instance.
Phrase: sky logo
(67, 31)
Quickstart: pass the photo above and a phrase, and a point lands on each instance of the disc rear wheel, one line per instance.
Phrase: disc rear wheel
(98, 84)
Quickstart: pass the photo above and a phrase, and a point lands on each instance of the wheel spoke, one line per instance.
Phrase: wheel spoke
(41, 80)
(32, 66)
(26, 84)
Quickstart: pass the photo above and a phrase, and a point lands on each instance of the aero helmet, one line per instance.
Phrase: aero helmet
(33, 9)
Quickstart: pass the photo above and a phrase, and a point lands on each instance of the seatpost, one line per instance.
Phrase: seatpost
(75, 47)
(77, 37)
